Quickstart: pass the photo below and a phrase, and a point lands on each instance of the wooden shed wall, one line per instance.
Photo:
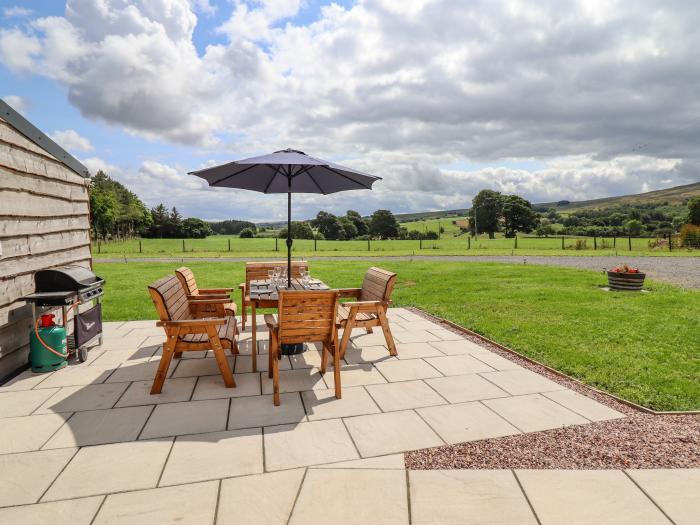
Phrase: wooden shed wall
(44, 222)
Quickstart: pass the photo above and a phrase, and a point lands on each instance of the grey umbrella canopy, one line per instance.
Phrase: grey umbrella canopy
(287, 171)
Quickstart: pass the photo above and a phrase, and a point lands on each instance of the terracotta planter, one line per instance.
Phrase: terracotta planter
(631, 282)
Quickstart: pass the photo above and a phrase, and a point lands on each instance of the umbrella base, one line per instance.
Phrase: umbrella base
(294, 349)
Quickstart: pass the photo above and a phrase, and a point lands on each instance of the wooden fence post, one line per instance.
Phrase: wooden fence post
(420, 244)
(276, 248)
(314, 243)
(368, 246)
(614, 242)
(140, 249)
(562, 242)
(469, 242)
(99, 246)
(630, 242)
(229, 245)
(515, 246)
(183, 245)
(595, 244)
(670, 242)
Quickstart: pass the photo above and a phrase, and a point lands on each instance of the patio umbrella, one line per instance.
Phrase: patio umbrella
(287, 171)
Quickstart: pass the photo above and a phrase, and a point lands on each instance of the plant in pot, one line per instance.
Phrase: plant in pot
(626, 278)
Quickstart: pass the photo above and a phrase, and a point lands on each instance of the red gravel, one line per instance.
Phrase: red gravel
(640, 440)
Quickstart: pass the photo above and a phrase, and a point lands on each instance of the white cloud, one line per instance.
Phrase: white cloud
(601, 94)
(16, 11)
(71, 140)
(19, 104)
(204, 6)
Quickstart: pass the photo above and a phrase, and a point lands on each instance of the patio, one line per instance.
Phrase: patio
(90, 443)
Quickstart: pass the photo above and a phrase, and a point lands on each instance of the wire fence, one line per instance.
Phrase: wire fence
(223, 245)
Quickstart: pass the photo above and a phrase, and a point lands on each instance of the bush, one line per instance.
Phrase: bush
(431, 236)
(246, 233)
(690, 236)
(414, 235)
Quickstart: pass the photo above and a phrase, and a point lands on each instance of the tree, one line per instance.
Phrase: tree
(486, 211)
(349, 229)
(300, 230)
(518, 215)
(246, 233)
(115, 211)
(194, 228)
(633, 227)
(544, 229)
(694, 211)
(159, 220)
(383, 224)
(414, 235)
(329, 225)
(360, 224)
(104, 209)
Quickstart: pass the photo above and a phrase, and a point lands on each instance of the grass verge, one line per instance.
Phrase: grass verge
(642, 347)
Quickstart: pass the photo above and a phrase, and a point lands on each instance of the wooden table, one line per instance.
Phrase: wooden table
(263, 294)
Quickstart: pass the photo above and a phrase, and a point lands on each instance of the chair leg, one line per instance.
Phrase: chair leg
(346, 336)
(324, 357)
(369, 329)
(275, 375)
(270, 344)
(244, 308)
(387, 332)
(336, 368)
(220, 357)
(177, 355)
(164, 365)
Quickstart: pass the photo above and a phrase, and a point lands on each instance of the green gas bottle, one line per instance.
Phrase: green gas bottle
(49, 351)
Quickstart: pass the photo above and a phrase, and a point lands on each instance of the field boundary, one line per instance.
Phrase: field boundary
(551, 370)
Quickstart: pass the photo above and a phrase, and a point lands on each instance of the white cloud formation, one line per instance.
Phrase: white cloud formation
(19, 104)
(17, 11)
(602, 95)
(71, 140)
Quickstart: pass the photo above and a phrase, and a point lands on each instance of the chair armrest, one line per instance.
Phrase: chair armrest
(271, 321)
(241, 286)
(350, 292)
(207, 297)
(364, 306)
(215, 291)
(193, 323)
(211, 300)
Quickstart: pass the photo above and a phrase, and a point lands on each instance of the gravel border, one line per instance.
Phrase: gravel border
(640, 440)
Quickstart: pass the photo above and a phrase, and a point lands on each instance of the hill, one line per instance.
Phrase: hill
(671, 197)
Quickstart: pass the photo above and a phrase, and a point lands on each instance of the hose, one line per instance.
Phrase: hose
(43, 343)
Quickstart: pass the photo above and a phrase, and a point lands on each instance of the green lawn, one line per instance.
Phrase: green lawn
(642, 347)
(231, 246)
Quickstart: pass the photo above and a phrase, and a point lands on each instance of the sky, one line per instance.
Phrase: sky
(550, 99)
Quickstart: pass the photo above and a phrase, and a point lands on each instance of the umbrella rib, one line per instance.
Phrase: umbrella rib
(317, 184)
(274, 174)
(346, 177)
(232, 175)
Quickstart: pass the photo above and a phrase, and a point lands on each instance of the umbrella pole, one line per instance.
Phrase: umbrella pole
(289, 231)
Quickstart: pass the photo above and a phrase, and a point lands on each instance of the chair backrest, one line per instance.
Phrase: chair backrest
(377, 285)
(258, 270)
(170, 299)
(186, 277)
(307, 315)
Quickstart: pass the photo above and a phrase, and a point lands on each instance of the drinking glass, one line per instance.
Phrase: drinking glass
(271, 276)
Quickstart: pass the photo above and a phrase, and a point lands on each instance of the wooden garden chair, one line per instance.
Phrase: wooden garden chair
(184, 331)
(304, 317)
(186, 278)
(369, 309)
(255, 271)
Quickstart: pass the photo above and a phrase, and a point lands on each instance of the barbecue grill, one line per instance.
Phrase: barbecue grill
(68, 287)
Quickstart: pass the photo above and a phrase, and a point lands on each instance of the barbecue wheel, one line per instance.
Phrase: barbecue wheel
(82, 354)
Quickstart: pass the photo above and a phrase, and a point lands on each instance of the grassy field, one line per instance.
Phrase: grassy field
(231, 246)
(643, 347)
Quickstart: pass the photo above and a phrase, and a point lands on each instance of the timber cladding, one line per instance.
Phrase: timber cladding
(44, 222)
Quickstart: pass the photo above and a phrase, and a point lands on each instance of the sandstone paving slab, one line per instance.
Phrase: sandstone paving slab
(189, 417)
(68, 512)
(214, 455)
(520, 382)
(467, 496)
(311, 358)
(534, 412)
(406, 370)
(295, 381)
(81, 398)
(322, 404)
(391, 461)
(25, 476)
(187, 504)
(351, 496)
(391, 432)
(116, 467)
(117, 357)
(304, 444)
(23, 381)
(582, 405)
(26, 433)
(466, 422)
(244, 363)
(139, 371)
(199, 367)
(213, 387)
(676, 491)
(417, 350)
(445, 335)
(259, 411)
(467, 387)
(414, 336)
(97, 427)
(404, 395)
(495, 361)
(587, 496)
(23, 402)
(423, 324)
(361, 339)
(248, 499)
(459, 346)
(453, 365)
(355, 375)
(368, 354)
(174, 390)
(76, 376)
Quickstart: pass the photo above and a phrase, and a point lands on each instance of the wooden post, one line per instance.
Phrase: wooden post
(420, 243)
(595, 244)
(614, 242)
(314, 243)
(229, 245)
(670, 242)
(276, 248)
(562, 242)
(469, 243)
(368, 246)
(99, 246)
(630, 242)
(183, 245)
(140, 249)
(515, 246)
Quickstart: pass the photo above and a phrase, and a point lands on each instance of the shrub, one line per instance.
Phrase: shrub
(246, 233)
(690, 236)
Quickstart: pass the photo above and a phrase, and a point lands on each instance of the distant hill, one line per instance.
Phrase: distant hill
(671, 197)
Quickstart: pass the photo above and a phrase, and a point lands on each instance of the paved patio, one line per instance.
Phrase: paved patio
(90, 444)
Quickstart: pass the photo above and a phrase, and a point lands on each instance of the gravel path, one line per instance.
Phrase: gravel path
(640, 440)
(682, 271)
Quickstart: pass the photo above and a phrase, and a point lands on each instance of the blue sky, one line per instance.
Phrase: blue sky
(572, 100)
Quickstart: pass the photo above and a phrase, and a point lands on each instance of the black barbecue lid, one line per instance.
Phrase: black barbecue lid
(64, 278)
